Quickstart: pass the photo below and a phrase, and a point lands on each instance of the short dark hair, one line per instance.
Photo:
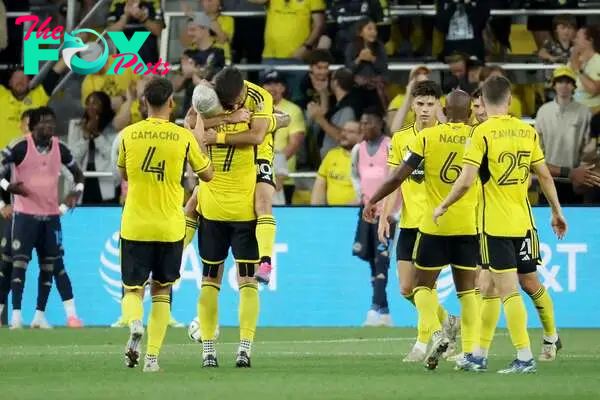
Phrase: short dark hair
(374, 110)
(476, 93)
(496, 89)
(426, 88)
(592, 33)
(37, 114)
(564, 19)
(318, 56)
(344, 77)
(229, 84)
(27, 114)
(158, 91)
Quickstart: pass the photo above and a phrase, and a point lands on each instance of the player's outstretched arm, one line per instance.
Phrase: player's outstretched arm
(559, 223)
(282, 119)
(460, 187)
(390, 185)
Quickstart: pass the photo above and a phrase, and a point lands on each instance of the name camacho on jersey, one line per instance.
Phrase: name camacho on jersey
(504, 148)
(441, 149)
(154, 153)
(413, 190)
(229, 196)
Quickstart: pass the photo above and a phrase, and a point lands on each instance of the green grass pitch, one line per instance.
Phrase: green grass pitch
(292, 363)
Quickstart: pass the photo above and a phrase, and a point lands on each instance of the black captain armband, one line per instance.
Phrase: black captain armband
(413, 160)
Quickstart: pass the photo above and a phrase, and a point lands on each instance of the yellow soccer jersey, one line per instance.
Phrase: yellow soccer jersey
(229, 196)
(441, 150)
(154, 152)
(413, 190)
(12, 109)
(504, 148)
(336, 169)
(260, 103)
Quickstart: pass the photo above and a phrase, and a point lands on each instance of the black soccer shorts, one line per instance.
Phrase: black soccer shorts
(434, 252)
(216, 237)
(264, 172)
(44, 234)
(406, 244)
(520, 254)
(140, 259)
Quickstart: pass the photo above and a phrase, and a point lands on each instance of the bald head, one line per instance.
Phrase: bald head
(458, 106)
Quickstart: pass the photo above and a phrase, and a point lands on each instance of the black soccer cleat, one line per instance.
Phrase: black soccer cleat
(210, 361)
(243, 360)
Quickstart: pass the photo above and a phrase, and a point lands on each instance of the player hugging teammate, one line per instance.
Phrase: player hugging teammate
(496, 155)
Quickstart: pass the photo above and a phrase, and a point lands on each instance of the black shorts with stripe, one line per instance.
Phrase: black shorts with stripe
(142, 260)
(406, 244)
(216, 237)
(520, 254)
(434, 252)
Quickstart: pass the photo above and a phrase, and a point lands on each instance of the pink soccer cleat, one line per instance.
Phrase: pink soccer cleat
(74, 322)
(264, 273)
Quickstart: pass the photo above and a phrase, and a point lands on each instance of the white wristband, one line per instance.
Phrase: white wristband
(63, 209)
(4, 184)
(79, 187)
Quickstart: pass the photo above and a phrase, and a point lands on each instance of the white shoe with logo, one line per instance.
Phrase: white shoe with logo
(132, 349)
(151, 364)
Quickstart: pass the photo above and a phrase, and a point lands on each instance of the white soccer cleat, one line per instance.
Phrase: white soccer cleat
(132, 349)
(451, 329)
(15, 325)
(372, 319)
(40, 323)
(151, 364)
(439, 345)
(415, 355)
(548, 352)
(385, 320)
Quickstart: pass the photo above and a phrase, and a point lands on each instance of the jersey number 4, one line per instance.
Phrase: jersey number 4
(519, 161)
(158, 168)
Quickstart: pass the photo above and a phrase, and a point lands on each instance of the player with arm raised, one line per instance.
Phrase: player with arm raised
(36, 163)
(152, 158)
(503, 150)
(426, 95)
(453, 241)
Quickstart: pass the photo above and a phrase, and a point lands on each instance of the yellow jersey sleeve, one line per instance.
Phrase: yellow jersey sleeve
(317, 5)
(258, 101)
(476, 147)
(322, 172)
(537, 155)
(197, 159)
(395, 151)
(121, 157)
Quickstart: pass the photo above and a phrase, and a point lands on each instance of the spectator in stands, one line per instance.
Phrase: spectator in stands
(333, 185)
(463, 24)
(91, 143)
(585, 61)
(590, 159)
(516, 106)
(288, 140)
(332, 117)
(541, 26)
(564, 128)
(558, 49)
(292, 31)
(460, 76)
(316, 81)
(115, 86)
(221, 27)
(18, 98)
(249, 33)
(201, 62)
(131, 16)
(367, 59)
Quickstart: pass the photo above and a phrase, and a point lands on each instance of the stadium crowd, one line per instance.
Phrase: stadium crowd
(363, 36)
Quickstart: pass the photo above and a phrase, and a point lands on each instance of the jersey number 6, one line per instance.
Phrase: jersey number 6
(158, 168)
(450, 172)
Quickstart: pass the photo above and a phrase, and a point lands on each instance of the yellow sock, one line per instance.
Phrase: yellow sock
(490, 314)
(516, 320)
(208, 310)
(426, 309)
(469, 320)
(442, 314)
(248, 311)
(191, 224)
(265, 235)
(545, 308)
(479, 300)
(160, 313)
(132, 307)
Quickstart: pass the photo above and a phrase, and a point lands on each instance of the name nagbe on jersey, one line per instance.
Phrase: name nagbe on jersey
(509, 133)
(456, 139)
(164, 135)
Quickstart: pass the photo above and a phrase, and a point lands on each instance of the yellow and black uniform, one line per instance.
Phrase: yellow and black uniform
(227, 202)
(454, 240)
(504, 149)
(13, 108)
(336, 169)
(154, 153)
(413, 193)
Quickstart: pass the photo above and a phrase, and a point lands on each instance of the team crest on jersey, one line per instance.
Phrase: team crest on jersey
(16, 245)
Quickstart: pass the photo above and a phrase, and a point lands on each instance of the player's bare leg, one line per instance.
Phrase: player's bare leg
(157, 324)
(133, 312)
(208, 312)
(248, 312)
(507, 284)
(531, 284)
(265, 228)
